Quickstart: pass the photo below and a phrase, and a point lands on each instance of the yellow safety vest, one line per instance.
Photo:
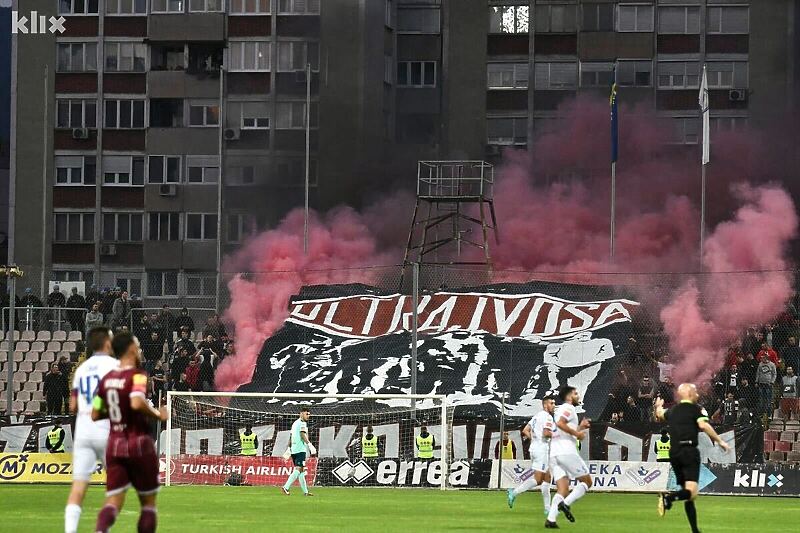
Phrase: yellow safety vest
(508, 450)
(369, 447)
(425, 446)
(662, 450)
(248, 443)
(53, 436)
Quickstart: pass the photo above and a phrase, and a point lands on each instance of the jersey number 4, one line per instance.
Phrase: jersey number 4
(88, 386)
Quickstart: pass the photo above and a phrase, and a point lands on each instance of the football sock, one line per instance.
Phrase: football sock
(106, 518)
(72, 515)
(528, 484)
(303, 483)
(147, 520)
(553, 514)
(682, 494)
(691, 514)
(577, 493)
(294, 475)
(545, 488)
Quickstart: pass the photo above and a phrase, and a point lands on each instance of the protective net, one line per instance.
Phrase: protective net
(242, 439)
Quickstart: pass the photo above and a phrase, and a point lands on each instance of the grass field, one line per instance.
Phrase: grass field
(35, 508)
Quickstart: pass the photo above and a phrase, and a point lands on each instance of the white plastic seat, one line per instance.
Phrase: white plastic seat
(43, 336)
(33, 407)
(22, 346)
(32, 357)
(54, 346)
(47, 357)
(68, 346)
(26, 366)
(28, 335)
(24, 396)
(75, 336)
(35, 377)
(42, 366)
(37, 346)
(59, 335)
(19, 357)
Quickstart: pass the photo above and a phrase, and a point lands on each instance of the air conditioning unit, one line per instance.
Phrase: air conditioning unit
(300, 76)
(169, 189)
(108, 249)
(737, 95)
(231, 134)
(80, 133)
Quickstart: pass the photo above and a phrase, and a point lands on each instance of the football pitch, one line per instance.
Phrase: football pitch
(35, 508)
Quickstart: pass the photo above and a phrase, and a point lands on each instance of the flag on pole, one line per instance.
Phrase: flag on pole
(614, 124)
(704, 110)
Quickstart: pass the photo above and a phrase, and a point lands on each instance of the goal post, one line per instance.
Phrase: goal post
(208, 439)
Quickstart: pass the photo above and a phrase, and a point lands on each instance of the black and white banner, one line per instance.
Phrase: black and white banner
(385, 472)
(522, 339)
(768, 479)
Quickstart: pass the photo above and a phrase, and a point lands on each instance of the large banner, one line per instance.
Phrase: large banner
(608, 476)
(247, 470)
(41, 468)
(521, 339)
(771, 479)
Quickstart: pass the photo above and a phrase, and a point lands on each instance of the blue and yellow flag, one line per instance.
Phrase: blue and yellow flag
(614, 124)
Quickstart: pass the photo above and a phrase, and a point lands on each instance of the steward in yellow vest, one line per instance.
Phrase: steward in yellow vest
(424, 444)
(55, 439)
(249, 441)
(663, 446)
(369, 444)
(506, 447)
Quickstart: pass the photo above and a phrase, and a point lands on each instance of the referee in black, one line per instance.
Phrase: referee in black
(685, 419)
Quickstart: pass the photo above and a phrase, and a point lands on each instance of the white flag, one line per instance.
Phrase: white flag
(704, 110)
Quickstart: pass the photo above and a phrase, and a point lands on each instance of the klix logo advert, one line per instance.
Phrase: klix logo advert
(34, 23)
(757, 479)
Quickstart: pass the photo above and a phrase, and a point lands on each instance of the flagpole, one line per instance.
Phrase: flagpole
(705, 157)
(702, 211)
(613, 203)
(614, 155)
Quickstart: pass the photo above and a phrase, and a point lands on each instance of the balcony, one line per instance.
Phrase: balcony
(196, 27)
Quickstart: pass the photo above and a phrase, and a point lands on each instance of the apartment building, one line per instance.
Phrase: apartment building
(169, 130)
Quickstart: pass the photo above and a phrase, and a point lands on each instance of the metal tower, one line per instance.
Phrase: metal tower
(452, 202)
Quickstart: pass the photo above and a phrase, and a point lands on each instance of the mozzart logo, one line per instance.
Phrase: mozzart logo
(757, 479)
(38, 23)
(13, 466)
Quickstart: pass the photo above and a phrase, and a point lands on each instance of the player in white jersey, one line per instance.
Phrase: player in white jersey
(90, 437)
(539, 430)
(565, 461)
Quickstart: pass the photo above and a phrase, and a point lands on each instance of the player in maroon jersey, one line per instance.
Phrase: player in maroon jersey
(131, 453)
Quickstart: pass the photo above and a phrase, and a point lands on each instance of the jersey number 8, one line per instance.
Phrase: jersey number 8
(114, 413)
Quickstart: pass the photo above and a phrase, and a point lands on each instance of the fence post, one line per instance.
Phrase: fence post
(11, 344)
(500, 441)
(414, 321)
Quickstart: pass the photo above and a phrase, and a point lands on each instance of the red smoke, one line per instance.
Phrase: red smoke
(553, 217)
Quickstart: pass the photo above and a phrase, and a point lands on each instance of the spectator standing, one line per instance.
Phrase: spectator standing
(179, 364)
(748, 395)
(76, 301)
(92, 296)
(214, 327)
(121, 311)
(193, 374)
(152, 350)
(789, 399)
(208, 365)
(185, 342)
(184, 321)
(142, 329)
(55, 388)
(32, 318)
(165, 324)
(729, 409)
(181, 385)
(767, 350)
(791, 353)
(748, 368)
(506, 447)
(94, 318)
(158, 380)
(750, 344)
(107, 299)
(645, 396)
(631, 412)
(56, 298)
(766, 375)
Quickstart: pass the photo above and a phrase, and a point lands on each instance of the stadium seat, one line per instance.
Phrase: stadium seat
(59, 355)
(787, 436)
(793, 456)
(792, 425)
(22, 346)
(796, 446)
(69, 346)
(19, 357)
(18, 406)
(41, 366)
(59, 336)
(4, 346)
(38, 396)
(54, 346)
(2, 335)
(28, 335)
(777, 456)
(37, 346)
(780, 445)
(43, 336)
(47, 357)
(30, 386)
(26, 366)
(769, 446)
(32, 357)
(24, 396)
(33, 406)
(75, 336)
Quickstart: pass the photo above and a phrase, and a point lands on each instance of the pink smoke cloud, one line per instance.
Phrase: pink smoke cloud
(553, 216)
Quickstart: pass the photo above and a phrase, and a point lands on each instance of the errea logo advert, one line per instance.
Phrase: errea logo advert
(36, 24)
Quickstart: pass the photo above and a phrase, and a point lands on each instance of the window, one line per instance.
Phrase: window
(684, 20)
(727, 74)
(240, 226)
(122, 114)
(76, 113)
(162, 283)
(206, 6)
(598, 17)
(292, 115)
(292, 171)
(203, 115)
(165, 226)
(294, 55)
(417, 20)
(255, 116)
(132, 285)
(678, 75)
(596, 74)
(507, 75)
(723, 124)
(635, 18)
(75, 169)
(167, 6)
(126, 7)
(729, 19)
(507, 130)
(87, 276)
(298, 7)
(73, 227)
(556, 76)
(248, 7)
(201, 226)
(634, 73)
(122, 227)
(388, 68)
(508, 19)
(77, 57)
(416, 74)
(556, 18)
(166, 113)
(240, 175)
(125, 57)
(249, 55)
(685, 130)
(164, 169)
(198, 284)
(77, 7)
(123, 170)
(202, 169)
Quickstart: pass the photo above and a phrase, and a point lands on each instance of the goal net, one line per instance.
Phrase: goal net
(360, 440)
